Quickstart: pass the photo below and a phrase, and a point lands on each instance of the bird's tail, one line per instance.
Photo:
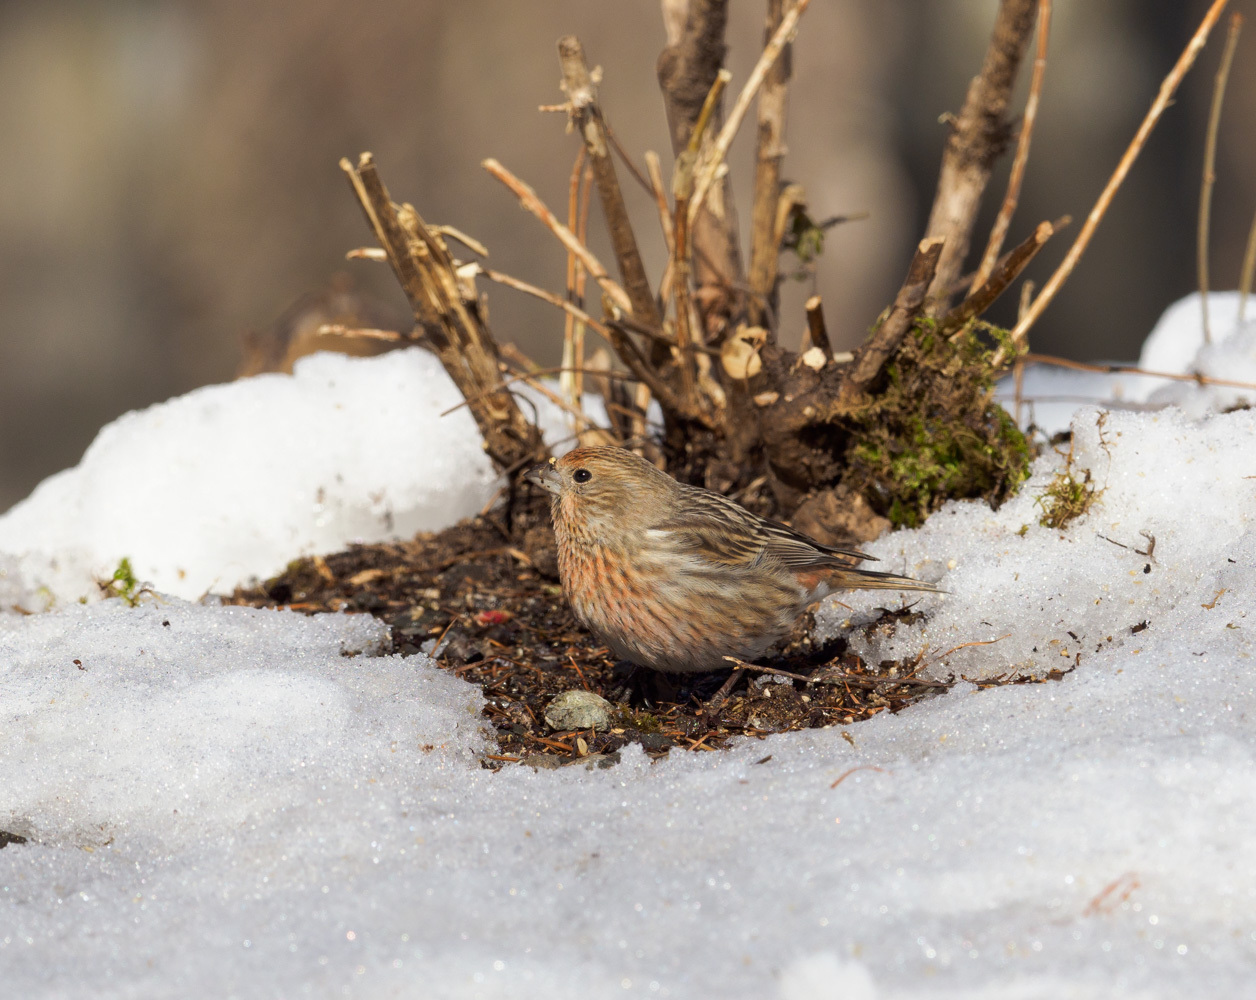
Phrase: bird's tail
(866, 579)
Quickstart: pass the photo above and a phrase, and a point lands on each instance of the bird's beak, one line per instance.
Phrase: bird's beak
(545, 476)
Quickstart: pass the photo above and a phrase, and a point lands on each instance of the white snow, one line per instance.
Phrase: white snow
(1050, 395)
(256, 804)
(1178, 335)
(1169, 540)
(231, 482)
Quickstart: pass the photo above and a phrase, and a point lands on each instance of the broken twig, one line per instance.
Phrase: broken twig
(586, 118)
(770, 151)
(453, 326)
(978, 137)
(880, 347)
(998, 232)
(1009, 270)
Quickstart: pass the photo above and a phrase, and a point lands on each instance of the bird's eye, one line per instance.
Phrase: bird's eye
(582, 475)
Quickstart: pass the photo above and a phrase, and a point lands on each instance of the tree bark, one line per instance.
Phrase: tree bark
(980, 134)
(686, 70)
(586, 116)
(764, 246)
(880, 347)
(452, 323)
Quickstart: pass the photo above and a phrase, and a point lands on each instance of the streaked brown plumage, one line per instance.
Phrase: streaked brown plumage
(676, 577)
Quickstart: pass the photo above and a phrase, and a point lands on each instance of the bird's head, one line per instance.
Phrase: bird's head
(600, 487)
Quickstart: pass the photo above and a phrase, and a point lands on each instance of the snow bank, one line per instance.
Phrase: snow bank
(1050, 396)
(231, 482)
(1100, 588)
(229, 805)
(227, 802)
(1175, 340)
(1176, 345)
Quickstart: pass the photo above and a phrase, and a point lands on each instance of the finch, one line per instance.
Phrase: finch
(676, 577)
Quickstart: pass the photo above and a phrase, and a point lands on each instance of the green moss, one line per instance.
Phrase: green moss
(933, 433)
(804, 236)
(647, 722)
(123, 583)
(1066, 499)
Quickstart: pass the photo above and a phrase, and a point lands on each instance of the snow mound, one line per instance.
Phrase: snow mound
(1178, 335)
(1231, 357)
(231, 482)
(229, 805)
(214, 801)
(170, 722)
(1164, 553)
(1051, 395)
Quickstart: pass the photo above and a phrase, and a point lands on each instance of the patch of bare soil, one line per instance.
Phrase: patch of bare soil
(492, 612)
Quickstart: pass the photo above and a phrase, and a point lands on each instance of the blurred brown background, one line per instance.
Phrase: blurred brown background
(169, 181)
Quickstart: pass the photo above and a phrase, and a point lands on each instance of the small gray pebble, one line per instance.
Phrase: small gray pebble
(579, 710)
(542, 761)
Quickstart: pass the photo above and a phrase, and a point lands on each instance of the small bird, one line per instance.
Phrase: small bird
(677, 577)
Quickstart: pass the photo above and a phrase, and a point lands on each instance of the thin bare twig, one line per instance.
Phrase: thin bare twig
(978, 138)
(582, 234)
(544, 295)
(529, 200)
(586, 118)
(855, 770)
(1247, 270)
(1210, 166)
(1026, 296)
(1167, 89)
(1081, 366)
(682, 191)
(743, 665)
(964, 645)
(998, 232)
(1018, 389)
(680, 292)
(769, 153)
(641, 400)
(719, 148)
(655, 170)
(624, 158)
(575, 284)
(1018, 367)
(864, 681)
(362, 333)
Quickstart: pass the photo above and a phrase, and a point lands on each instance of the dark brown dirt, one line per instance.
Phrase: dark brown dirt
(494, 614)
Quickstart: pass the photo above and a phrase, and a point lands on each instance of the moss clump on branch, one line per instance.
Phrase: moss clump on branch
(935, 433)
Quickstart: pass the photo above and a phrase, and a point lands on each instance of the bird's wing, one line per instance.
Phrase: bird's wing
(724, 532)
